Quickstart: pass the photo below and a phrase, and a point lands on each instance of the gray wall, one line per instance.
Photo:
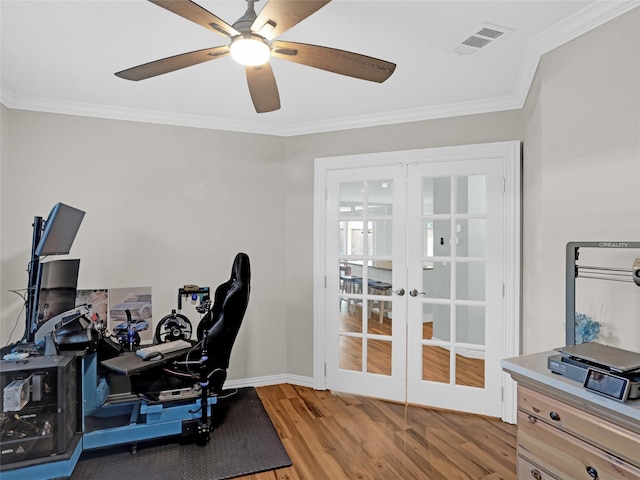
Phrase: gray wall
(166, 206)
(171, 205)
(582, 176)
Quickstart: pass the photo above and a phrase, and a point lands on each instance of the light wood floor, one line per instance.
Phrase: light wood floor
(340, 437)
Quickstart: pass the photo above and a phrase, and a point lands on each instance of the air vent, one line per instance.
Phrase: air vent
(476, 41)
(480, 39)
(490, 32)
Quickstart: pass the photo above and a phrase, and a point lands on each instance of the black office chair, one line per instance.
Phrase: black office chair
(219, 327)
(217, 333)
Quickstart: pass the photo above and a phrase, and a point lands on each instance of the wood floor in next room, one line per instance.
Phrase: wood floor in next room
(436, 361)
(332, 436)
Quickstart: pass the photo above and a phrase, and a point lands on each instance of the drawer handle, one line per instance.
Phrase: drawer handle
(554, 416)
(593, 473)
(536, 474)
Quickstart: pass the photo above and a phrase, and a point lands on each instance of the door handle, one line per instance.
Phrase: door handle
(400, 292)
(415, 293)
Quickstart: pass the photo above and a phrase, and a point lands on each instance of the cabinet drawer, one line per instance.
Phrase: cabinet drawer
(565, 456)
(621, 442)
(528, 471)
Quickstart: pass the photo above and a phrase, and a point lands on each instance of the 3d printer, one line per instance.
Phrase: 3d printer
(68, 386)
(606, 370)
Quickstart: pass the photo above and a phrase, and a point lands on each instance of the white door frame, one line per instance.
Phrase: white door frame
(510, 153)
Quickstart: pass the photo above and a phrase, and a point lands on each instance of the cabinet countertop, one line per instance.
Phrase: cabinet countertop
(532, 370)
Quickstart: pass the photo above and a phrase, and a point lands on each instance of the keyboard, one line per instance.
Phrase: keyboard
(162, 349)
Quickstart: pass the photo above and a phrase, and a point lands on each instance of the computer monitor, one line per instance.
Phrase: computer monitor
(60, 229)
(55, 290)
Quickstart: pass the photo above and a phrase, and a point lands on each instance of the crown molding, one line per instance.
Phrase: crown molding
(570, 28)
(46, 105)
(406, 116)
(587, 19)
(167, 118)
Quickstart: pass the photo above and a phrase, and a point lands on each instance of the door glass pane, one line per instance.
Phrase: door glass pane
(436, 322)
(353, 239)
(472, 194)
(351, 199)
(379, 309)
(380, 271)
(427, 237)
(470, 368)
(350, 316)
(471, 236)
(441, 238)
(381, 236)
(344, 267)
(350, 353)
(470, 281)
(379, 357)
(380, 201)
(470, 324)
(435, 364)
(428, 316)
(437, 280)
(366, 236)
(436, 195)
(350, 297)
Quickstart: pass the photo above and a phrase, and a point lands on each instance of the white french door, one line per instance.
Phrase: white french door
(455, 281)
(414, 257)
(366, 258)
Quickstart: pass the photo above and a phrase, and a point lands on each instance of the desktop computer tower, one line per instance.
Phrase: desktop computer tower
(39, 407)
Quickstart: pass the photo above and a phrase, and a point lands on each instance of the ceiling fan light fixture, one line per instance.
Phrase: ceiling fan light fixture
(250, 50)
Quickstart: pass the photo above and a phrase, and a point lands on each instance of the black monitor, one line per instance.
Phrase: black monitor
(55, 290)
(60, 230)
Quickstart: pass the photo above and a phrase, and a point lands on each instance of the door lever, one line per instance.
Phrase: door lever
(400, 292)
(415, 293)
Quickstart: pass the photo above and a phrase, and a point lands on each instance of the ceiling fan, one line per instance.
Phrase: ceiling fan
(252, 43)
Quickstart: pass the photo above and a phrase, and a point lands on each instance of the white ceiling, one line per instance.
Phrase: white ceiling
(60, 56)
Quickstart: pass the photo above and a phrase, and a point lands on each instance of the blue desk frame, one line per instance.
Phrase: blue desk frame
(146, 421)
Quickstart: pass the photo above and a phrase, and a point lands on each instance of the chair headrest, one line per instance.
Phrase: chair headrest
(241, 270)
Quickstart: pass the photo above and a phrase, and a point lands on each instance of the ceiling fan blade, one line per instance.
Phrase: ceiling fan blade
(278, 16)
(263, 88)
(334, 60)
(170, 64)
(194, 12)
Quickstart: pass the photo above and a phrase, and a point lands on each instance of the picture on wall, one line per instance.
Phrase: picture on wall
(98, 301)
(138, 301)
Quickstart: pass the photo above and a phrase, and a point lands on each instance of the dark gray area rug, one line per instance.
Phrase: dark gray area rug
(243, 441)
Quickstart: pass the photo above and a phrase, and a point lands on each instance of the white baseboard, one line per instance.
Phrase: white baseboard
(271, 380)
